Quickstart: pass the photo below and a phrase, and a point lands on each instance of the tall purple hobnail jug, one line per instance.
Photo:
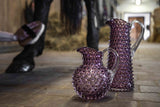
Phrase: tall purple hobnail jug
(120, 41)
(92, 80)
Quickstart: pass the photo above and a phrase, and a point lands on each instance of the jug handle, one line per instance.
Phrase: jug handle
(116, 62)
(136, 44)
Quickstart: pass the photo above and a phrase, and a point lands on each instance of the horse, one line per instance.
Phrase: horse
(71, 16)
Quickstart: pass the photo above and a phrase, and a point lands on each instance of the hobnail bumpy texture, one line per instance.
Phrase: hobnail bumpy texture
(91, 80)
(120, 41)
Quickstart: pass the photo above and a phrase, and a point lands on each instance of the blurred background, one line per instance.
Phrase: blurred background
(13, 14)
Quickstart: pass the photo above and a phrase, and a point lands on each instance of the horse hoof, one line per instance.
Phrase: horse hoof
(20, 66)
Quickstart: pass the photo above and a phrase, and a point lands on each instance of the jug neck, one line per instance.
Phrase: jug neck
(91, 56)
(92, 60)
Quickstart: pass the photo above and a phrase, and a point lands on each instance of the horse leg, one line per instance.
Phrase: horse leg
(93, 27)
(24, 62)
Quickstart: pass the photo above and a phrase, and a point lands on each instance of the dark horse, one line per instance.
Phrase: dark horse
(71, 15)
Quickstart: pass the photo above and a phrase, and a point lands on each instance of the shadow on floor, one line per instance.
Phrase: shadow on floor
(39, 78)
(76, 98)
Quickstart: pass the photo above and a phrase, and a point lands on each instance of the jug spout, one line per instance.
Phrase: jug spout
(84, 50)
(119, 26)
(110, 22)
(81, 50)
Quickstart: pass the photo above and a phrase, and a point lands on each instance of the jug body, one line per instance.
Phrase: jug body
(91, 80)
(120, 41)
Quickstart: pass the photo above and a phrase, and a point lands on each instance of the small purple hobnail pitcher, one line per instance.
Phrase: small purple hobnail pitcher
(92, 80)
(120, 41)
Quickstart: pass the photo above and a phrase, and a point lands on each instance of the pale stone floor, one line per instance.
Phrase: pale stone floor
(49, 85)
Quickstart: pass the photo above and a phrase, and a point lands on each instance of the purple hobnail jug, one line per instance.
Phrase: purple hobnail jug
(120, 41)
(92, 80)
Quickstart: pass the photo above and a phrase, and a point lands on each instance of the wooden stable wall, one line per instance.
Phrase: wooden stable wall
(12, 13)
(156, 18)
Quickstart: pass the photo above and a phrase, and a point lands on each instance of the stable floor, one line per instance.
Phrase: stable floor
(50, 83)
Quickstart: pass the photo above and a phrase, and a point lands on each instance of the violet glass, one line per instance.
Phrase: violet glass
(91, 80)
(120, 41)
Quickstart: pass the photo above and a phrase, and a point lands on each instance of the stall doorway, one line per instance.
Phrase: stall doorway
(144, 18)
(135, 32)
